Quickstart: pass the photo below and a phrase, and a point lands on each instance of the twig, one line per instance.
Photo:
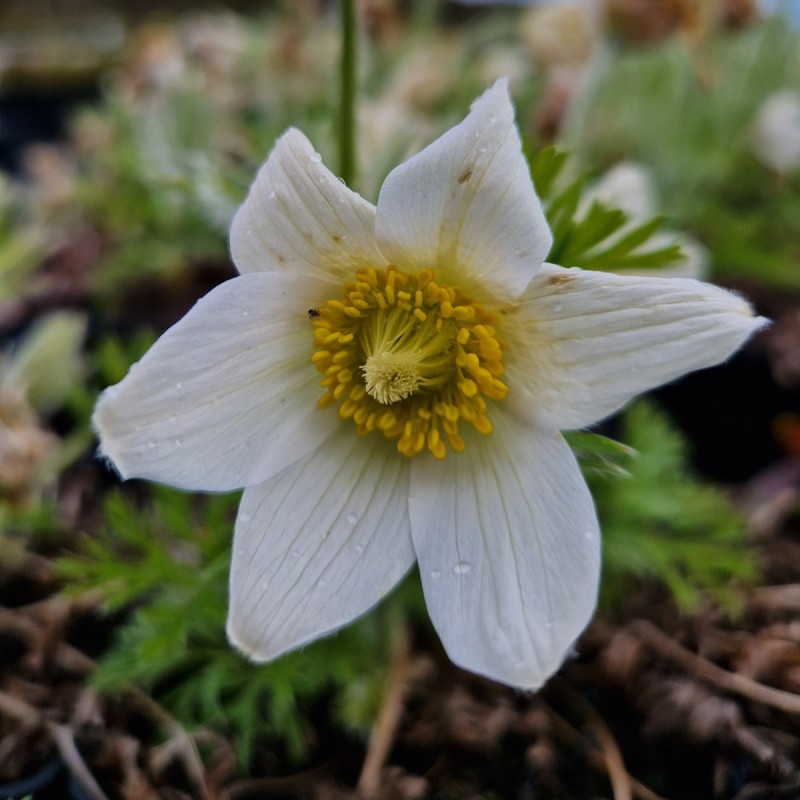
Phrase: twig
(609, 749)
(784, 597)
(185, 746)
(16, 623)
(23, 624)
(385, 728)
(64, 740)
(596, 758)
(18, 709)
(612, 756)
(27, 626)
(296, 785)
(706, 670)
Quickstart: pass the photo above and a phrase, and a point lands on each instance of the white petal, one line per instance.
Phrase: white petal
(319, 544)
(465, 206)
(581, 344)
(509, 551)
(227, 396)
(299, 216)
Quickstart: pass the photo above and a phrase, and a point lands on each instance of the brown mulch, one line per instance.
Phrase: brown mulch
(655, 706)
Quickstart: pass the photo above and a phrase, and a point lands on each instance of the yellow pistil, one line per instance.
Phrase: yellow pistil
(409, 357)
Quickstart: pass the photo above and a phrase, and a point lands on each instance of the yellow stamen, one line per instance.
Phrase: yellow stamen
(409, 357)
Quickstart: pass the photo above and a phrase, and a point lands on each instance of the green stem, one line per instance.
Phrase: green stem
(347, 100)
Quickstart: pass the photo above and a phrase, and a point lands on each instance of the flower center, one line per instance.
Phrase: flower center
(410, 357)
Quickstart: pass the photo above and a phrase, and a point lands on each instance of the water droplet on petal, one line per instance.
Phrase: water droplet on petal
(264, 584)
(270, 195)
(296, 552)
(178, 442)
(435, 573)
(151, 443)
(316, 157)
(462, 568)
(245, 313)
(179, 385)
(359, 548)
(244, 517)
(352, 518)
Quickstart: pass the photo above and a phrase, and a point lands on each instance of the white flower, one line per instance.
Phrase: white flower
(561, 35)
(450, 357)
(776, 131)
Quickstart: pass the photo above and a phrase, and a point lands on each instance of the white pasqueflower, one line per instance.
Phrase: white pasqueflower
(776, 131)
(450, 358)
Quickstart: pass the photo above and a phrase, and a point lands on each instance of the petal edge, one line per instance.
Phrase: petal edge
(303, 568)
(227, 396)
(582, 344)
(298, 216)
(508, 545)
(466, 207)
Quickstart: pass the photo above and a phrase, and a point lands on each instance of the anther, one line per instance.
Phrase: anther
(410, 358)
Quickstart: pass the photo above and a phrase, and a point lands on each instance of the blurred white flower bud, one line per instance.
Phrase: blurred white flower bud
(776, 132)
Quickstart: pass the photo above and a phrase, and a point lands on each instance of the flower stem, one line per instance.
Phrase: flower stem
(347, 104)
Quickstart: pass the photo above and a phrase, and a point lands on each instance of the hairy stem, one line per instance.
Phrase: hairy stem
(347, 98)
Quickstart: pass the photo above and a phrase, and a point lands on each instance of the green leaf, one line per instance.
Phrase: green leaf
(663, 524)
(545, 167)
(601, 238)
(599, 454)
(164, 566)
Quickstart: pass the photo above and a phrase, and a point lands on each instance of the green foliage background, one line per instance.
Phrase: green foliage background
(160, 189)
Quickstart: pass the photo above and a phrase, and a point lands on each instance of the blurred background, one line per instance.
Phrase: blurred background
(663, 136)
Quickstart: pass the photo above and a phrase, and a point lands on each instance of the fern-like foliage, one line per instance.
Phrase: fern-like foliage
(688, 113)
(602, 238)
(165, 565)
(664, 524)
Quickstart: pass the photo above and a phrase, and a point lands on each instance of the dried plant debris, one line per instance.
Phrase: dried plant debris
(665, 707)
(57, 731)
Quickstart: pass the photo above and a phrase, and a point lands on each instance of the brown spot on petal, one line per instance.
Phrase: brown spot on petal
(560, 279)
(465, 175)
